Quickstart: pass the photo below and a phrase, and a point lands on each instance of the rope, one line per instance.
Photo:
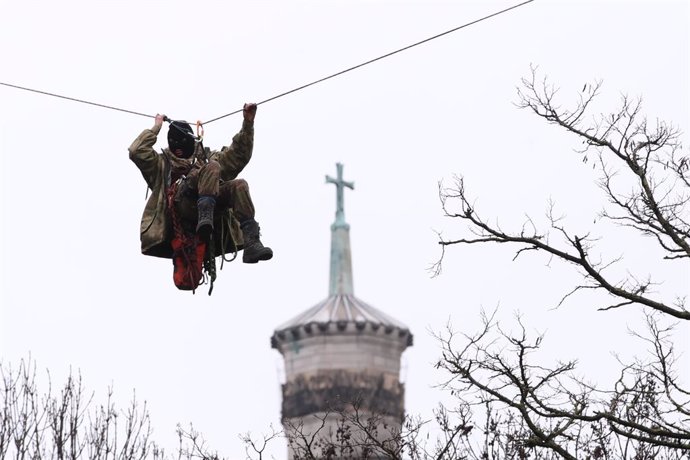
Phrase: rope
(78, 100)
(292, 90)
(377, 59)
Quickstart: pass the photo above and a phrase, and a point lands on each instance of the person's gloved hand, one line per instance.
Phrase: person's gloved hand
(249, 111)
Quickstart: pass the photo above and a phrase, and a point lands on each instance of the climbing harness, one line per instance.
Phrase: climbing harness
(193, 259)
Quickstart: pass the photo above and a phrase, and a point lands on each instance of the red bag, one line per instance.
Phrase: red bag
(188, 259)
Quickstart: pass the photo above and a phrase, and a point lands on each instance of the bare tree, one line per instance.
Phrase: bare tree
(508, 405)
(69, 426)
(358, 436)
(39, 425)
(255, 448)
(645, 181)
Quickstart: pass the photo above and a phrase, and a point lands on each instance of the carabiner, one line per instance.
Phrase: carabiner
(199, 131)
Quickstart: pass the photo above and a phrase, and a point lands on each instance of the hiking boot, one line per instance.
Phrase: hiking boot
(254, 250)
(204, 226)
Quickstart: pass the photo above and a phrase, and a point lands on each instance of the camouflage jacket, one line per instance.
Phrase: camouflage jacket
(156, 226)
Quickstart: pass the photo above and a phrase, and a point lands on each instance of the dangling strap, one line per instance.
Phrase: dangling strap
(226, 219)
(210, 264)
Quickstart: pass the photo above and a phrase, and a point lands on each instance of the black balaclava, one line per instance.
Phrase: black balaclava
(181, 137)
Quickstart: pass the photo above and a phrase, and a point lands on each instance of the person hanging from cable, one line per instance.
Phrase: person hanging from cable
(198, 208)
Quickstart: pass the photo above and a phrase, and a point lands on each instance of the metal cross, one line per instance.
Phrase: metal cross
(340, 185)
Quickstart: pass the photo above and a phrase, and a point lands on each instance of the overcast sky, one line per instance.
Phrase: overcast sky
(77, 293)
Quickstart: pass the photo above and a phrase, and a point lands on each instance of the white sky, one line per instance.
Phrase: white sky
(76, 292)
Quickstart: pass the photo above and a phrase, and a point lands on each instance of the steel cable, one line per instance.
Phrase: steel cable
(292, 90)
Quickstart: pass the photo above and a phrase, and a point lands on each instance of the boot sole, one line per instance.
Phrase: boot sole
(260, 258)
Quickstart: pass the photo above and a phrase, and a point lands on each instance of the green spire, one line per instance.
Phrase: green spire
(340, 185)
(341, 264)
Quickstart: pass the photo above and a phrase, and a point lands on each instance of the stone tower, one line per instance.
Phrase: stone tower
(342, 353)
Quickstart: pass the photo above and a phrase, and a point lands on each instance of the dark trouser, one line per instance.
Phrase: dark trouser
(205, 181)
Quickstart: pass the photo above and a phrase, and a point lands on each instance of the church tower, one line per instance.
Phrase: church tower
(342, 356)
